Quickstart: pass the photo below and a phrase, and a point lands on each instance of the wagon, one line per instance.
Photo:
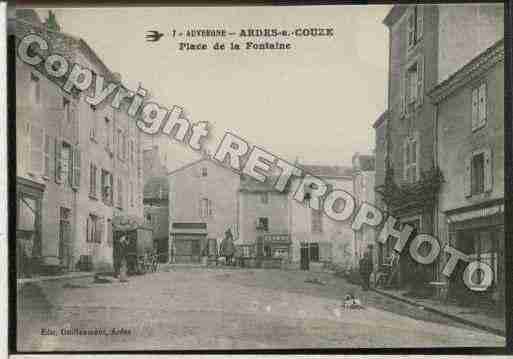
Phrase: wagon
(134, 242)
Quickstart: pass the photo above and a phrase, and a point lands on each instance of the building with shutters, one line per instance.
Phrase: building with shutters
(470, 153)
(264, 220)
(317, 239)
(427, 44)
(275, 225)
(75, 172)
(202, 206)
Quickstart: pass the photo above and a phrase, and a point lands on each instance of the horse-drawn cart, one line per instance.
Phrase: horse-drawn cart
(133, 242)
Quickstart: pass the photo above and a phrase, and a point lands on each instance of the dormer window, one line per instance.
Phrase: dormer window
(204, 172)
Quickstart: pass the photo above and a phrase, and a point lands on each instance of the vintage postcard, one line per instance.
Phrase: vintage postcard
(266, 177)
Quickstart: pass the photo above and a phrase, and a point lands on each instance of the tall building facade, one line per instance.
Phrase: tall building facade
(427, 44)
(74, 173)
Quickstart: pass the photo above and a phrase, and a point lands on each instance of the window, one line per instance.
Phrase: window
(481, 244)
(107, 181)
(316, 221)
(94, 124)
(245, 251)
(479, 111)
(94, 229)
(415, 25)
(206, 209)
(120, 193)
(46, 156)
(267, 251)
(108, 135)
(204, 172)
(412, 81)
(64, 235)
(263, 224)
(37, 138)
(264, 197)
(477, 179)
(92, 180)
(148, 217)
(67, 110)
(314, 252)
(478, 173)
(36, 88)
(281, 253)
(411, 151)
(66, 163)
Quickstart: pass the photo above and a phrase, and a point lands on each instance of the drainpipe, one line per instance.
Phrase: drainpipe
(437, 200)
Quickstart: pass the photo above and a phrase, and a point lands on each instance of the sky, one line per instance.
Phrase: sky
(315, 102)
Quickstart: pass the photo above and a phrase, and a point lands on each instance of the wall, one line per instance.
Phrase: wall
(457, 141)
(422, 120)
(337, 235)
(251, 208)
(187, 187)
(466, 30)
(364, 193)
(48, 115)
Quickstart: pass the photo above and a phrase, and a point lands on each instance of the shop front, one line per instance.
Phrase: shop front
(272, 250)
(29, 195)
(189, 241)
(478, 233)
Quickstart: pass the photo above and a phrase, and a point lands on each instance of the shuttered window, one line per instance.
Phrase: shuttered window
(94, 228)
(92, 180)
(37, 135)
(478, 173)
(47, 145)
(410, 156)
(75, 180)
(479, 106)
(120, 193)
(415, 25)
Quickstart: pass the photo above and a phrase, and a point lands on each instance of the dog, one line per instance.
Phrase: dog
(351, 302)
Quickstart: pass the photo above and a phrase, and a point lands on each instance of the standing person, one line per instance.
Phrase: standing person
(366, 269)
(227, 246)
(123, 241)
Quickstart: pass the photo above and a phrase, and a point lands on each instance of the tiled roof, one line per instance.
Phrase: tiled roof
(248, 184)
(327, 171)
(61, 43)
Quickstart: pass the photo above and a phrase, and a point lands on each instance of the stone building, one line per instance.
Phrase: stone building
(285, 228)
(427, 44)
(156, 200)
(69, 160)
(316, 238)
(264, 219)
(202, 206)
(363, 191)
(470, 152)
